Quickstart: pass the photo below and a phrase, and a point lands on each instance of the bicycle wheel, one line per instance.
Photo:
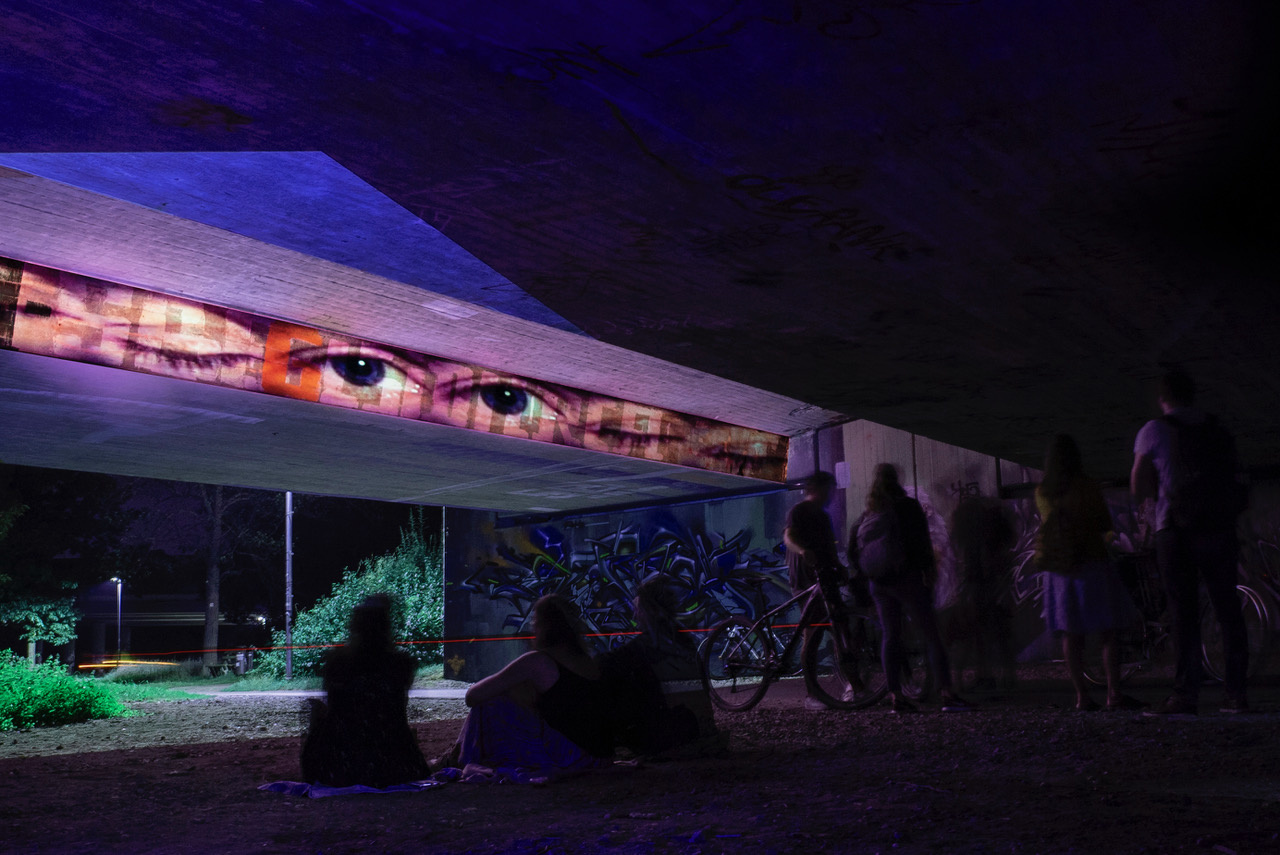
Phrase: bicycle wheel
(1257, 623)
(859, 683)
(738, 662)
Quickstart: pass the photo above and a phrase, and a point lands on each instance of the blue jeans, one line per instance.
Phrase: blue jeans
(1185, 556)
(892, 599)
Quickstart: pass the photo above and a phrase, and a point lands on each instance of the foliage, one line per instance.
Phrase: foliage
(60, 529)
(46, 696)
(157, 672)
(146, 692)
(51, 619)
(412, 574)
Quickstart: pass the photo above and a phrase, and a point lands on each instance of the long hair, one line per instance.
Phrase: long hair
(656, 610)
(885, 489)
(1063, 466)
(555, 624)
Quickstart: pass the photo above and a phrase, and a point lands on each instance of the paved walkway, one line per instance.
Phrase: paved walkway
(221, 693)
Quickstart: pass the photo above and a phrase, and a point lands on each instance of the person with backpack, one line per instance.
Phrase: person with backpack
(890, 545)
(1083, 593)
(1186, 461)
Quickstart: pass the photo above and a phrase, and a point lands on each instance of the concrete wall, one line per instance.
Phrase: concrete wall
(721, 557)
(715, 552)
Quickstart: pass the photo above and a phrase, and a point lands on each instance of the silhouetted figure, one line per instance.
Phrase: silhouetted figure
(1083, 593)
(362, 734)
(644, 720)
(982, 535)
(1186, 461)
(892, 546)
(544, 714)
(811, 557)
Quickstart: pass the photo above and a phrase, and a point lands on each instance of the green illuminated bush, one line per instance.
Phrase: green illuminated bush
(46, 695)
(412, 574)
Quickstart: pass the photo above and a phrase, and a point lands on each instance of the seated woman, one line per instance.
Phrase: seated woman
(546, 712)
(362, 735)
(645, 719)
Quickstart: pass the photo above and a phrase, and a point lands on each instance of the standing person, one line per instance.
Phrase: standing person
(893, 549)
(1186, 461)
(811, 555)
(1083, 593)
(361, 735)
(982, 535)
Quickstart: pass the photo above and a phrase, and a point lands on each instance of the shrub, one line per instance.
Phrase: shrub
(412, 574)
(46, 695)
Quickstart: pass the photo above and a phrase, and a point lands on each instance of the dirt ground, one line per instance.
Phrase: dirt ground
(1024, 774)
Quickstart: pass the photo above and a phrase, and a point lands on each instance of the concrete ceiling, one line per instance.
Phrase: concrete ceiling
(69, 415)
(981, 221)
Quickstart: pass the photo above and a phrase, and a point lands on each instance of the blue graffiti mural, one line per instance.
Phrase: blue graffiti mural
(713, 575)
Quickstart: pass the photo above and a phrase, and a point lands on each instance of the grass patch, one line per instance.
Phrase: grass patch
(266, 683)
(148, 692)
(187, 671)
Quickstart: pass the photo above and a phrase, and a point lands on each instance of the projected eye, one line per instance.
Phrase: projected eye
(493, 394)
(505, 399)
(359, 370)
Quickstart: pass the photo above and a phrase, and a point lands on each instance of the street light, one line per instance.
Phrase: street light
(119, 614)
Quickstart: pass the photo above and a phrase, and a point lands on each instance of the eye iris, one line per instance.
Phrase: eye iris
(360, 370)
(505, 400)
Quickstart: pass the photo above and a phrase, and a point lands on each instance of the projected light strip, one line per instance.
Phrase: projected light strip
(55, 313)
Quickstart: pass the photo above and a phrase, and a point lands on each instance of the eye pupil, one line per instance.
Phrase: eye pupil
(505, 400)
(360, 370)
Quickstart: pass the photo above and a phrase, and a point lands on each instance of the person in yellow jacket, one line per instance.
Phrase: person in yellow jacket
(1083, 594)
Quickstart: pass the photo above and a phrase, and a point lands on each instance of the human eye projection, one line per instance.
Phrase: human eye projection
(68, 316)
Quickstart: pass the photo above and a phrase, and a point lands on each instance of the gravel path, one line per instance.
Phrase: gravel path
(1024, 774)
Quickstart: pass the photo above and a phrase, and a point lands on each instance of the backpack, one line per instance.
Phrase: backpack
(1202, 491)
(882, 555)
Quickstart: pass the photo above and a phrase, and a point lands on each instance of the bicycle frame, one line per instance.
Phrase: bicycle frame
(765, 626)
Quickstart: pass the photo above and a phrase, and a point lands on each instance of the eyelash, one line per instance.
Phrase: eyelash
(453, 388)
(468, 388)
(182, 359)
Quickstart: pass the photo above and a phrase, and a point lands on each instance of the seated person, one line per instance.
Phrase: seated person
(546, 712)
(362, 735)
(644, 720)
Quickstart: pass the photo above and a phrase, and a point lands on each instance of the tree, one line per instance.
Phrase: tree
(58, 530)
(49, 619)
(235, 536)
(412, 574)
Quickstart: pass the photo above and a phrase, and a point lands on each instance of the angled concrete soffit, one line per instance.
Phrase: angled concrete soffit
(54, 313)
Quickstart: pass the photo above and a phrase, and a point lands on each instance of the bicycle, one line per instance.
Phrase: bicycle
(740, 659)
(1145, 646)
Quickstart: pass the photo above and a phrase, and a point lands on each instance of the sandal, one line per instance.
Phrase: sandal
(902, 706)
(1126, 703)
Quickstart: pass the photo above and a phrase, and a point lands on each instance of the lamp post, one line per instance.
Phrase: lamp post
(119, 614)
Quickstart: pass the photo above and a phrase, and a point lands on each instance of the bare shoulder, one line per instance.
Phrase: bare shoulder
(538, 668)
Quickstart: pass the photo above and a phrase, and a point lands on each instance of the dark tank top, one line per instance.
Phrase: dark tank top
(575, 706)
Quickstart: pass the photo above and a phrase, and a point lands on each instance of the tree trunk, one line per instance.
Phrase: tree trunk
(213, 576)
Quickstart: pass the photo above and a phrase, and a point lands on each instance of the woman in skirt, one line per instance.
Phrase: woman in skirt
(1083, 594)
